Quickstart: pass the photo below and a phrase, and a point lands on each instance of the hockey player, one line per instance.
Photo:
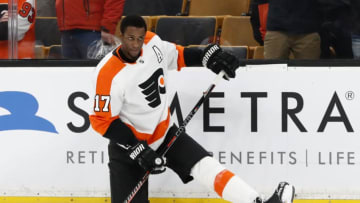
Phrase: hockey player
(25, 32)
(131, 109)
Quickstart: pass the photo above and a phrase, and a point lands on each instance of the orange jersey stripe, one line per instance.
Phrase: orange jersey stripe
(158, 133)
(102, 119)
(99, 124)
(221, 180)
(181, 60)
(149, 35)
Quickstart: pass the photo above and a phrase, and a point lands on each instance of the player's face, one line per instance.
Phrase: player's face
(131, 41)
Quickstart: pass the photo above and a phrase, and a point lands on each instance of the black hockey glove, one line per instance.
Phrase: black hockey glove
(147, 158)
(216, 59)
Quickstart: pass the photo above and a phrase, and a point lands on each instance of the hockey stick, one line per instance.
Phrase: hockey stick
(177, 133)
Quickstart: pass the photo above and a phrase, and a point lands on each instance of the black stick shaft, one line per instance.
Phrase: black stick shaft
(177, 133)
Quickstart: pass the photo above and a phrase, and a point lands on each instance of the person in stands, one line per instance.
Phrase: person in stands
(82, 22)
(292, 27)
(25, 36)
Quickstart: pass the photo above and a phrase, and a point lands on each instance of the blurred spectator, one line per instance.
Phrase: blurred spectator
(26, 12)
(335, 29)
(292, 27)
(45, 9)
(82, 22)
(355, 5)
(258, 17)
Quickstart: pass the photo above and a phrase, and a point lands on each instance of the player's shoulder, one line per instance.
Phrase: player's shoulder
(151, 36)
(152, 39)
(109, 65)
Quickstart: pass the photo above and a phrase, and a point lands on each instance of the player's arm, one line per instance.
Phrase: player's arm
(212, 57)
(108, 101)
(218, 60)
(113, 129)
(139, 151)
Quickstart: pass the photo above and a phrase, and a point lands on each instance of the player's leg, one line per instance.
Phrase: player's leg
(191, 161)
(225, 183)
(124, 175)
(183, 154)
(232, 188)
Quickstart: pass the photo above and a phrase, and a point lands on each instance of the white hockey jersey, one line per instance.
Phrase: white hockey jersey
(136, 92)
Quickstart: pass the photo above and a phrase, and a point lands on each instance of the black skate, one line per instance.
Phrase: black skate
(284, 193)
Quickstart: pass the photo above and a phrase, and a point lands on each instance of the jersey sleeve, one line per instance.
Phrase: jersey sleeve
(175, 55)
(26, 17)
(108, 101)
(108, 97)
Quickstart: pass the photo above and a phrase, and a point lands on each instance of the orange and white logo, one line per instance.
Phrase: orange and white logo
(153, 87)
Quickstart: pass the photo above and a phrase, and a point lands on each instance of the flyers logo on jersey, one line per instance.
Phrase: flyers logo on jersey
(153, 87)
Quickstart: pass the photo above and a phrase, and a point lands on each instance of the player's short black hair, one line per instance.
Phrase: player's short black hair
(132, 20)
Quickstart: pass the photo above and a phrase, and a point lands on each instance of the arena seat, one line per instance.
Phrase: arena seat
(258, 52)
(241, 52)
(185, 7)
(187, 30)
(215, 7)
(46, 31)
(55, 52)
(40, 51)
(237, 31)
